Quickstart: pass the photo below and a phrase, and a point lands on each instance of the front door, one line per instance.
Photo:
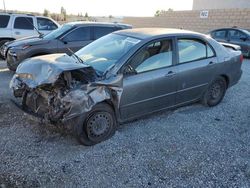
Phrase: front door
(75, 40)
(149, 80)
(23, 26)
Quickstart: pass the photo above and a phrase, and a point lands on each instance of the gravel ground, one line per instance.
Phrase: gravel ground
(193, 146)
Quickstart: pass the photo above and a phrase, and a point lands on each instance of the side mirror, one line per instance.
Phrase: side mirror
(64, 41)
(243, 38)
(128, 70)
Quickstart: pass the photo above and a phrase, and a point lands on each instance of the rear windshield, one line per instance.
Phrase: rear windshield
(4, 20)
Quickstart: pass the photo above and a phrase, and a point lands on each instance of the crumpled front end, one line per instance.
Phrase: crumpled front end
(71, 94)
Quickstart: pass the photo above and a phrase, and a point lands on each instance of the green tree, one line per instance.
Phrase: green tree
(86, 15)
(157, 13)
(46, 13)
(161, 12)
(64, 13)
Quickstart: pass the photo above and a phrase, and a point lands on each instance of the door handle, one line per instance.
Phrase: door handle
(210, 63)
(170, 74)
(17, 33)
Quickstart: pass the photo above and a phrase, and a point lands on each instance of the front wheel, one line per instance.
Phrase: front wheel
(2, 42)
(215, 92)
(99, 125)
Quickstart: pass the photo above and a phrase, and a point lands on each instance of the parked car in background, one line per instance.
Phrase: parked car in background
(16, 26)
(236, 36)
(70, 37)
(125, 75)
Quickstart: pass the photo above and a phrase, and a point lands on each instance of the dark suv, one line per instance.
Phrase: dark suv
(236, 36)
(70, 37)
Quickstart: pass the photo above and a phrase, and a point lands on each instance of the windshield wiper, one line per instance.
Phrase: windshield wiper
(108, 69)
(77, 57)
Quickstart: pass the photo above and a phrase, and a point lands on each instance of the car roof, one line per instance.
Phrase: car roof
(82, 23)
(23, 14)
(230, 28)
(145, 33)
(16, 14)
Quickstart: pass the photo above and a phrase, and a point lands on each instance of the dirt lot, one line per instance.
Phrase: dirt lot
(191, 146)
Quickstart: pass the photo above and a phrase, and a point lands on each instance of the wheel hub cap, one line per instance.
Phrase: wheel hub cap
(215, 91)
(98, 125)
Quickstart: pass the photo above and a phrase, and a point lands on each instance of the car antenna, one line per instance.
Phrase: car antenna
(40, 34)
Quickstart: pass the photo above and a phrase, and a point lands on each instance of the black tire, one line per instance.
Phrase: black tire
(215, 92)
(2, 43)
(99, 125)
(11, 67)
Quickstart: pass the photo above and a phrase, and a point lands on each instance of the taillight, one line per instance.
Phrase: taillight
(241, 58)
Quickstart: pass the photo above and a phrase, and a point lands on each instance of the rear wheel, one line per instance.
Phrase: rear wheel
(215, 92)
(99, 125)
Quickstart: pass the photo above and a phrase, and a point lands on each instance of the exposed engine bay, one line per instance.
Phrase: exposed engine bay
(65, 94)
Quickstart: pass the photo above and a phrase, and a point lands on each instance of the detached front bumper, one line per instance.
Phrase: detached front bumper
(33, 116)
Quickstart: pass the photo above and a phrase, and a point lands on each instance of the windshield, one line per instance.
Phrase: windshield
(106, 51)
(246, 31)
(59, 31)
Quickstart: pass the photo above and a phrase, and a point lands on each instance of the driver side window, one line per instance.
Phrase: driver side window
(156, 55)
(79, 34)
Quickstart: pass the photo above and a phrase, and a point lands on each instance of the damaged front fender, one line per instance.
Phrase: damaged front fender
(82, 100)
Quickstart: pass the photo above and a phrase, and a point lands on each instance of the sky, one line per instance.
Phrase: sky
(99, 7)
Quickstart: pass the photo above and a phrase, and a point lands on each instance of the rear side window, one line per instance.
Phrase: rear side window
(236, 35)
(193, 50)
(79, 34)
(46, 24)
(4, 20)
(24, 23)
(219, 34)
(210, 52)
(101, 31)
(117, 28)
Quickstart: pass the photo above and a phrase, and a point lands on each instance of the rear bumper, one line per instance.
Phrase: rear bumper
(235, 78)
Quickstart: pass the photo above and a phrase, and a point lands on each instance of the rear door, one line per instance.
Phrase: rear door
(195, 69)
(23, 26)
(75, 39)
(45, 25)
(149, 82)
(239, 38)
(220, 35)
(100, 31)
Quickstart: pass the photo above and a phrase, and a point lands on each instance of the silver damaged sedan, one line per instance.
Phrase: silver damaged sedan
(125, 75)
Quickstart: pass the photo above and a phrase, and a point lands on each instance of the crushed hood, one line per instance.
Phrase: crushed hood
(46, 69)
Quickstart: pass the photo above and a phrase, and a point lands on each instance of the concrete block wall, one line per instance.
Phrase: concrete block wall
(191, 20)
